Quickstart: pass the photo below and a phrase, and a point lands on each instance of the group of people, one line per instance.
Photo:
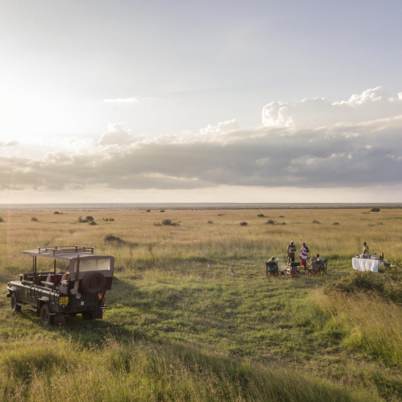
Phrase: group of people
(317, 263)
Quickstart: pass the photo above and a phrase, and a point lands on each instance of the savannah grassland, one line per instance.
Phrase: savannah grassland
(192, 316)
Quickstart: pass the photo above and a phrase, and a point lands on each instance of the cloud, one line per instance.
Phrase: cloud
(221, 127)
(372, 103)
(121, 100)
(276, 114)
(312, 143)
(116, 134)
(347, 155)
(370, 95)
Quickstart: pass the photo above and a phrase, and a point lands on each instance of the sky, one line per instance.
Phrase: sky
(203, 101)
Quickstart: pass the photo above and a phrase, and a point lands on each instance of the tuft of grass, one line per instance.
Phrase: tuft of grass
(365, 323)
(150, 372)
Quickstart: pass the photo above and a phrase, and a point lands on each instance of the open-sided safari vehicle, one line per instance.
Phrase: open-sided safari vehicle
(76, 284)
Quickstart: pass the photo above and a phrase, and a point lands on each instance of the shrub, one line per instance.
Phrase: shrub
(162, 210)
(375, 209)
(260, 216)
(148, 210)
(316, 222)
(169, 222)
(34, 219)
(111, 238)
(57, 213)
(92, 223)
(336, 223)
(270, 222)
(1, 219)
(210, 222)
(244, 223)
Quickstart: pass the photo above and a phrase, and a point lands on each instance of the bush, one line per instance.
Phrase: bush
(162, 210)
(34, 219)
(57, 213)
(169, 222)
(336, 223)
(260, 216)
(1, 219)
(387, 286)
(111, 238)
(375, 209)
(148, 210)
(316, 222)
(87, 219)
(210, 222)
(270, 222)
(244, 223)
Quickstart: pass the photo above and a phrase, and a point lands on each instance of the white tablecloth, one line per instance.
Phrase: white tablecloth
(365, 264)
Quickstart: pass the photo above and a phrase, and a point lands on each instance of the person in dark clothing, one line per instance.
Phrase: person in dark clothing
(291, 251)
(271, 267)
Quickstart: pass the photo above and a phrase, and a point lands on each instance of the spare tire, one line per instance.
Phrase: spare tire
(93, 282)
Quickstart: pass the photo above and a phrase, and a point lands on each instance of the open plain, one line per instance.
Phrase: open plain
(192, 317)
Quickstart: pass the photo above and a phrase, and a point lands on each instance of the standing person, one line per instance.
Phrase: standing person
(366, 250)
(291, 252)
(304, 255)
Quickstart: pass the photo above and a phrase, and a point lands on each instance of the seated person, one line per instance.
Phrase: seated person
(294, 268)
(272, 267)
(317, 265)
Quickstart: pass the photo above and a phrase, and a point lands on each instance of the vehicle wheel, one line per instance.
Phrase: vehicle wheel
(44, 314)
(88, 315)
(59, 320)
(14, 305)
(93, 282)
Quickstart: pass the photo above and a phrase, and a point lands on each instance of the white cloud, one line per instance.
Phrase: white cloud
(372, 103)
(276, 114)
(369, 95)
(116, 134)
(221, 127)
(121, 100)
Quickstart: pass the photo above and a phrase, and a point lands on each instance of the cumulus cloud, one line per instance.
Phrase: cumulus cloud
(372, 103)
(277, 114)
(370, 95)
(116, 134)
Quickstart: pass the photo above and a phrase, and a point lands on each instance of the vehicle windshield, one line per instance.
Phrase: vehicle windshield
(93, 264)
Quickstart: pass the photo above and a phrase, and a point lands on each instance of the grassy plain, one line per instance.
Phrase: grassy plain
(193, 318)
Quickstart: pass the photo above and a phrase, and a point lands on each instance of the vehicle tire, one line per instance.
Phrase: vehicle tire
(88, 315)
(44, 314)
(93, 282)
(14, 305)
(59, 320)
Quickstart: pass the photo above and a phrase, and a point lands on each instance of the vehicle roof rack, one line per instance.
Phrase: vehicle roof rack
(67, 252)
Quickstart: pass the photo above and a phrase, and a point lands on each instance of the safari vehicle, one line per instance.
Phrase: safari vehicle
(77, 284)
